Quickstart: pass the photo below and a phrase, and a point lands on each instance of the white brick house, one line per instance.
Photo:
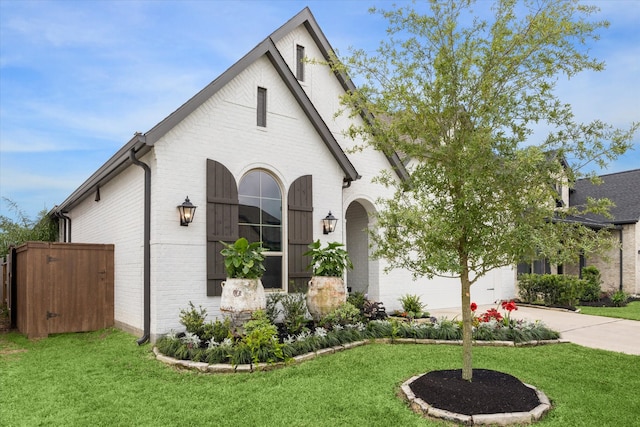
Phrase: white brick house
(264, 133)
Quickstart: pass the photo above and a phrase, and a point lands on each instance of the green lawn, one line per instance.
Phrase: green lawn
(631, 311)
(104, 378)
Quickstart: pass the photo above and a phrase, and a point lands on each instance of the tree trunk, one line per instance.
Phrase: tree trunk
(467, 327)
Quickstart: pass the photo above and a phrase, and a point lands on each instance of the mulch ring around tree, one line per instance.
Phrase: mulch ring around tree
(490, 398)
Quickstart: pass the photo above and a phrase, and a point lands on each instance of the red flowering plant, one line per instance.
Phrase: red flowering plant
(494, 314)
(509, 306)
(490, 314)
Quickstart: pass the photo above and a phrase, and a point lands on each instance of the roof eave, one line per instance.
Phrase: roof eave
(117, 163)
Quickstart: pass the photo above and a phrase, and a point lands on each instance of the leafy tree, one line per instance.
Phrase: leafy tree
(14, 232)
(459, 96)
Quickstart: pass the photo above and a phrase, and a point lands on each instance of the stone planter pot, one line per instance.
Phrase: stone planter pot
(325, 294)
(240, 298)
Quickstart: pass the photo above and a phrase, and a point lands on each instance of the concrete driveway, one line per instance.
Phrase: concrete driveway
(604, 333)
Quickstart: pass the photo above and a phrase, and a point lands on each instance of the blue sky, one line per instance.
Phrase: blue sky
(78, 78)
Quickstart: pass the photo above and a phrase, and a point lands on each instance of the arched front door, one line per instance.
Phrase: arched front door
(364, 276)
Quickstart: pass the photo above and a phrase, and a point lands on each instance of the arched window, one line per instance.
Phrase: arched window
(260, 220)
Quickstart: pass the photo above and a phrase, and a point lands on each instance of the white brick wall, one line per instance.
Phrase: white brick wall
(118, 218)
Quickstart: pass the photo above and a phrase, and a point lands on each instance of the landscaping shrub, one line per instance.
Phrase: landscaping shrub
(357, 299)
(272, 309)
(369, 310)
(373, 310)
(217, 330)
(294, 310)
(550, 289)
(412, 306)
(592, 280)
(619, 298)
(344, 315)
(261, 338)
(193, 319)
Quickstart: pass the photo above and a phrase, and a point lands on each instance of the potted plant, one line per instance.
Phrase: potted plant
(242, 292)
(326, 288)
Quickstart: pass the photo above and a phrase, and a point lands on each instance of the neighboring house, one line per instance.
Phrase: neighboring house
(262, 154)
(621, 269)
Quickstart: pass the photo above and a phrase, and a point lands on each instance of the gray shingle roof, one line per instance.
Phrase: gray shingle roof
(622, 188)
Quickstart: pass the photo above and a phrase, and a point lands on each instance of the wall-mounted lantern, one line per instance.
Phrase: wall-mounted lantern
(187, 212)
(329, 224)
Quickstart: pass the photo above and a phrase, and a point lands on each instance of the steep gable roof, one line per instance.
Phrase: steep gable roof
(140, 144)
(622, 188)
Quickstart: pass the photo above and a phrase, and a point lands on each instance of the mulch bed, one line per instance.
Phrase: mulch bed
(602, 302)
(605, 302)
(490, 392)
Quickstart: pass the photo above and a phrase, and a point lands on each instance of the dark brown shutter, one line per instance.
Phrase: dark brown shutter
(222, 221)
(300, 232)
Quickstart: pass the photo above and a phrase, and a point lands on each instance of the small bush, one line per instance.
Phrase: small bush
(272, 309)
(357, 299)
(294, 310)
(619, 298)
(217, 330)
(411, 303)
(373, 310)
(193, 319)
(261, 338)
(592, 280)
(346, 314)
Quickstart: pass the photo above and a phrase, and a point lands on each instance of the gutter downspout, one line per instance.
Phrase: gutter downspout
(65, 219)
(147, 247)
(621, 252)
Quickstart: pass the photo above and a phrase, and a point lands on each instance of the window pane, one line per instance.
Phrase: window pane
(272, 278)
(249, 210)
(271, 212)
(271, 238)
(249, 232)
(250, 185)
(269, 187)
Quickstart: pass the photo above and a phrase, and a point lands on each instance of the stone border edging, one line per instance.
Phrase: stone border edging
(225, 368)
(544, 307)
(421, 407)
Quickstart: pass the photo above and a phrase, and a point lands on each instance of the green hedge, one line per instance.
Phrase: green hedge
(554, 289)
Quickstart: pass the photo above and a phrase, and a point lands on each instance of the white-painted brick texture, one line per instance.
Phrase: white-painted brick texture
(118, 218)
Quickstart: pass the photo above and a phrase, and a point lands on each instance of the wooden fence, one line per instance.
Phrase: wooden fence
(61, 287)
